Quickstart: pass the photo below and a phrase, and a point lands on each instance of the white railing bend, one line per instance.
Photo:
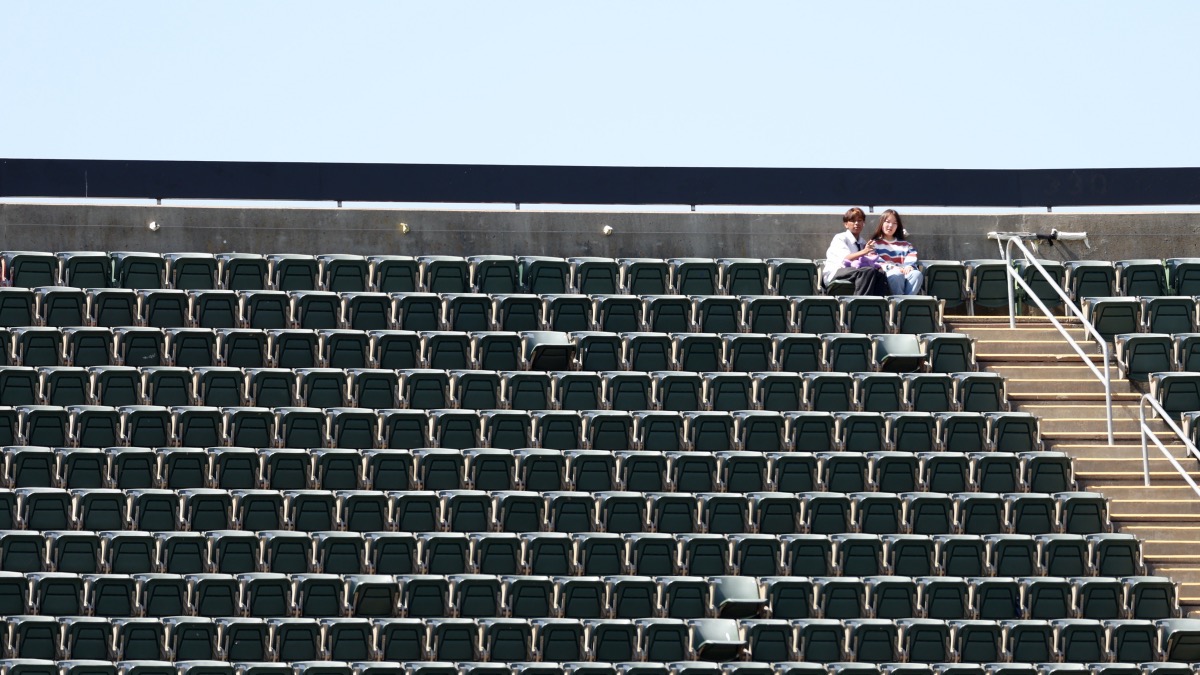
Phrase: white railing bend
(1006, 241)
(1148, 433)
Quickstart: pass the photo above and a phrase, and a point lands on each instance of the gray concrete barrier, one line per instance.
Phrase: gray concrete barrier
(57, 227)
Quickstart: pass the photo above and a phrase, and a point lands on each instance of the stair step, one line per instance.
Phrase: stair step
(1045, 334)
(1169, 533)
(1174, 550)
(1118, 465)
(1121, 426)
(1033, 360)
(1121, 411)
(1178, 491)
(1101, 450)
(1097, 434)
(1046, 381)
(1069, 397)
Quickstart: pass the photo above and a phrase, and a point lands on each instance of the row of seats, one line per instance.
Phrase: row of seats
(1145, 277)
(165, 308)
(1112, 316)
(431, 273)
(426, 388)
(540, 274)
(586, 553)
(1130, 639)
(533, 469)
(985, 283)
(266, 594)
(1139, 354)
(657, 430)
(916, 641)
(498, 351)
(202, 509)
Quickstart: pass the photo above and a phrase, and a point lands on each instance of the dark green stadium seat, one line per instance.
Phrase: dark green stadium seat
(829, 392)
(717, 314)
(1090, 279)
(517, 312)
(1169, 314)
(85, 347)
(508, 429)
(292, 272)
(766, 313)
(1113, 554)
(1143, 276)
(793, 276)
(60, 306)
(1176, 392)
(29, 269)
(1182, 276)
(816, 314)
(365, 311)
(85, 269)
(979, 392)
(865, 314)
(743, 276)
(64, 386)
(242, 271)
(266, 309)
(418, 311)
(468, 311)
(1098, 597)
(190, 271)
(848, 352)
(779, 392)
(444, 274)
(979, 641)
(1029, 641)
(1139, 354)
(17, 307)
(343, 273)
(949, 352)
(1179, 639)
(37, 346)
(190, 347)
(987, 284)
(945, 280)
(138, 270)
(393, 273)
(1041, 287)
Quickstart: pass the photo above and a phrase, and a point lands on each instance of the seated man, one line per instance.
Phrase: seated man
(844, 255)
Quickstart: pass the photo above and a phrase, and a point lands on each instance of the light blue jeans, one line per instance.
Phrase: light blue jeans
(904, 284)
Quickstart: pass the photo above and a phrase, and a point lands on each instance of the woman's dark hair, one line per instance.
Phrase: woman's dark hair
(899, 225)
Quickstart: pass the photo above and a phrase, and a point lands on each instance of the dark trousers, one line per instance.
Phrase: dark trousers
(867, 280)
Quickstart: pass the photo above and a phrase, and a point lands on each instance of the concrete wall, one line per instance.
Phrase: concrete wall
(331, 230)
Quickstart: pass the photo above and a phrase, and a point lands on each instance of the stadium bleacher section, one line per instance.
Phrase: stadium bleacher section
(226, 464)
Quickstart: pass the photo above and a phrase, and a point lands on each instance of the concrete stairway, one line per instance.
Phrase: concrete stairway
(1044, 376)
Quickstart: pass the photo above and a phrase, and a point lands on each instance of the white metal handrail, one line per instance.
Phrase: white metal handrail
(1006, 241)
(1148, 433)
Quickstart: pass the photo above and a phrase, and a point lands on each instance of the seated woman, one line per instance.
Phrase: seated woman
(897, 257)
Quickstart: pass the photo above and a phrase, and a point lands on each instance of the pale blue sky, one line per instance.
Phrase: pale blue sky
(953, 84)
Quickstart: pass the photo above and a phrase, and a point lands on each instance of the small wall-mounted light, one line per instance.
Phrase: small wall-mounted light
(607, 230)
(153, 226)
(404, 228)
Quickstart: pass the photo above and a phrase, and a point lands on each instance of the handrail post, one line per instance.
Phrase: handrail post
(1006, 252)
(1108, 390)
(1145, 449)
